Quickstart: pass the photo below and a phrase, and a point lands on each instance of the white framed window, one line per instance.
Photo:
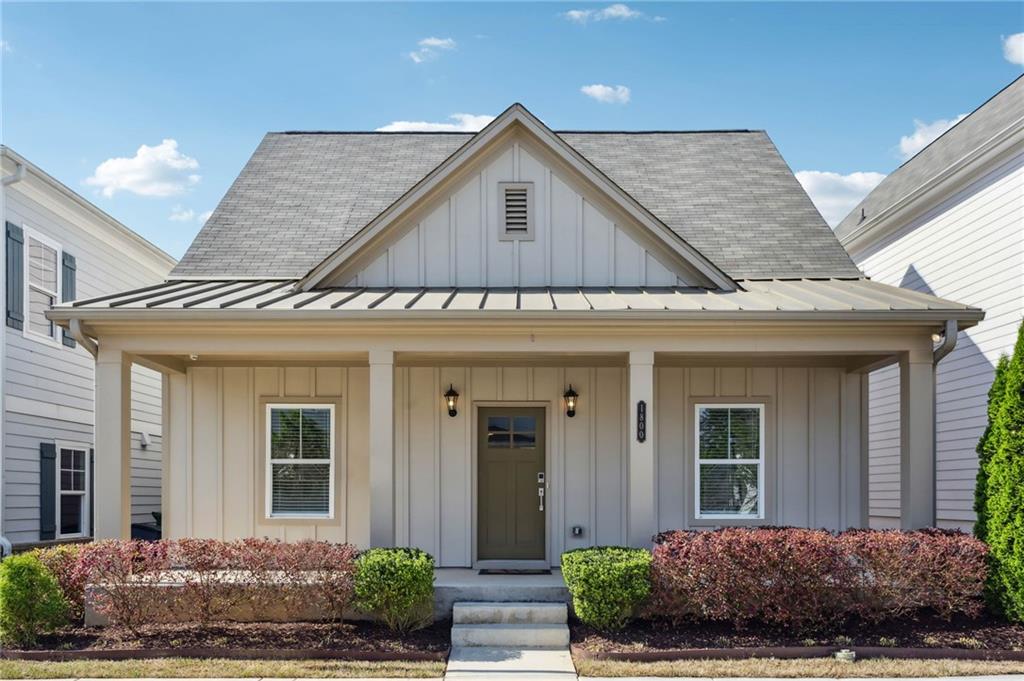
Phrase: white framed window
(729, 461)
(42, 285)
(300, 461)
(72, 496)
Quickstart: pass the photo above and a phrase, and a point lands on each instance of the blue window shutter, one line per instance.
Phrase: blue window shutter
(92, 490)
(15, 276)
(67, 288)
(47, 491)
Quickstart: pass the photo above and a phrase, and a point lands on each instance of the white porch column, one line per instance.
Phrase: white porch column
(175, 501)
(112, 484)
(382, 451)
(917, 441)
(642, 486)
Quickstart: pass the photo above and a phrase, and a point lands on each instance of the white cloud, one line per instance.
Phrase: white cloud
(5, 47)
(182, 214)
(430, 48)
(609, 94)
(463, 122)
(924, 134)
(1013, 48)
(836, 195)
(179, 214)
(616, 12)
(154, 171)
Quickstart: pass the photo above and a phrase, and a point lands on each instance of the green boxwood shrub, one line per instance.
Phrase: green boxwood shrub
(30, 600)
(608, 584)
(397, 586)
(1004, 495)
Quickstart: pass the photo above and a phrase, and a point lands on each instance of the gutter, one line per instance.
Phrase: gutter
(948, 344)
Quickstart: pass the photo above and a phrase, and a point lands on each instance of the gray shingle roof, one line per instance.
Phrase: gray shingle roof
(967, 135)
(729, 194)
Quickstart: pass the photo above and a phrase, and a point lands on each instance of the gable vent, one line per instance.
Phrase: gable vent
(517, 220)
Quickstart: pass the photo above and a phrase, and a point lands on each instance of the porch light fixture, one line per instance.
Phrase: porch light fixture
(570, 401)
(451, 398)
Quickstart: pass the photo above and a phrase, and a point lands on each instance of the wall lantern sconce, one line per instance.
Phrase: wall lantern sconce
(451, 398)
(570, 401)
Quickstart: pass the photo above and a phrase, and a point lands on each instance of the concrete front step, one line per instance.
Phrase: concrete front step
(509, 613)
(510, 635)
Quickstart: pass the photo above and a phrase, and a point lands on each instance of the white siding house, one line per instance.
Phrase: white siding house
(498, 346)
(59, 246)
(949, 222)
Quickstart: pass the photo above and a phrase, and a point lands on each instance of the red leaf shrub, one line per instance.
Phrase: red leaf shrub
(206, 580)
(900, 573)
(812, 578)
(62, 562)
(123, 569)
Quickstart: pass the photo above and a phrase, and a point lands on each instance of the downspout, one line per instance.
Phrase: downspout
(78, 333)
(946, 346)
(6, 181)
(18, 176)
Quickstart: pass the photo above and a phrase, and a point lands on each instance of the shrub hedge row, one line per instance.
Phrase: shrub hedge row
(789, 577)
(259, 578)
(811, 578)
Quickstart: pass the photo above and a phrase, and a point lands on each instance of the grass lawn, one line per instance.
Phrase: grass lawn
(821, 668)
(191, 668)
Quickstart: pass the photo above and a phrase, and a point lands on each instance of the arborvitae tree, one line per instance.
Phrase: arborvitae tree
(1005, 503)
(987, 447)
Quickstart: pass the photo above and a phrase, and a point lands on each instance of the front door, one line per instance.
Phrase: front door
(511, 484)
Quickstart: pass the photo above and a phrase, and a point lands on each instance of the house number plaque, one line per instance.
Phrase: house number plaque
(641, 421)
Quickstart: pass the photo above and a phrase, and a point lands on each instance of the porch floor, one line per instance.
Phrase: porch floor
(452, 585)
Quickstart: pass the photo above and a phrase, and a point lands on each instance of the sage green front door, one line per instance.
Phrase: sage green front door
(510, 482)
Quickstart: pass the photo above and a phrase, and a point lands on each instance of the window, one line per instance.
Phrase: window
(42, 290)
(72, 492)
(517, 213)
(729, 480)
(511, 432)
(300, 460)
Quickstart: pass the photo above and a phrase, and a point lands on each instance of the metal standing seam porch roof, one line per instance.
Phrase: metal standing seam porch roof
(814, 299)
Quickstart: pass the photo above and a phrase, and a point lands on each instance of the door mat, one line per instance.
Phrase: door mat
(538, 571)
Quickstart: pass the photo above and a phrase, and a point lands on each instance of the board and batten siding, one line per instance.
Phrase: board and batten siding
(813, 460)
(221, 454)
(48, 387)
(970, 248)
(575, 243)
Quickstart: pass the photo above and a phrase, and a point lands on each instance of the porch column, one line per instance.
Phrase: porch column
(382, 457)
(642, 517)
(174, 497)
(112, 473)
(917, 441)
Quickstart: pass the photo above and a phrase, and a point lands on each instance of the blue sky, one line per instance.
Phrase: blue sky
(86, 86)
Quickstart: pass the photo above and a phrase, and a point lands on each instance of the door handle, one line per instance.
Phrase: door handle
(540, 493)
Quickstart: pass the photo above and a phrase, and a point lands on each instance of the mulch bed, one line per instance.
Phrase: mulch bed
(644, 639)
(263, 640)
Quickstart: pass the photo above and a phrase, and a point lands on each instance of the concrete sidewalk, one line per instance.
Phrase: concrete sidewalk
(1000, 677)
(526, 664)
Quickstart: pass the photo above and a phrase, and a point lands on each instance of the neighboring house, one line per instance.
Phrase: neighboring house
(58, 246)
(948, 222)
(502, 345)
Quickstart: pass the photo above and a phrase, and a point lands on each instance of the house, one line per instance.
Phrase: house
(948, 222)
(502, 345)
(58, 246)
